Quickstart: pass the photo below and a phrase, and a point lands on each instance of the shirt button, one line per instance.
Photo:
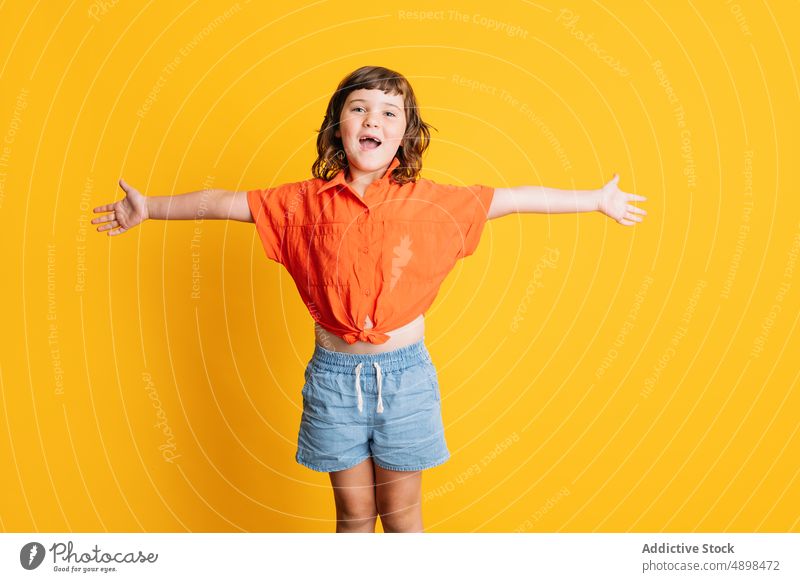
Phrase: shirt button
(366, 291)
(365, 250)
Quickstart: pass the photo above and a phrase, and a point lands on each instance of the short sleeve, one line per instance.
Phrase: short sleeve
(266, 209)
(472, 214)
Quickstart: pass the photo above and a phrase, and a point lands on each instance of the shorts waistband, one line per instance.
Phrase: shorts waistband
(393, 360)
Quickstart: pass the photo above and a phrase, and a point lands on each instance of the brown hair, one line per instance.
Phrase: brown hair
(330, 153)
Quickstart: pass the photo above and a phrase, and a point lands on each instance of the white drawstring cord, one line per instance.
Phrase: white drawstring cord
(358, 387)
(380, 401)
(378, 373)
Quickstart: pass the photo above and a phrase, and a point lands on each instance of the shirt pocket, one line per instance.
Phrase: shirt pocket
(316, 254)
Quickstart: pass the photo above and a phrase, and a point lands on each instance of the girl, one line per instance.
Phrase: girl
(368, 243)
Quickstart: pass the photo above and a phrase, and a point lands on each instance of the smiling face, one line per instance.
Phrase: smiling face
(371, 126)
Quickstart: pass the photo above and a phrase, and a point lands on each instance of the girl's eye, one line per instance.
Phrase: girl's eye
(357, 108)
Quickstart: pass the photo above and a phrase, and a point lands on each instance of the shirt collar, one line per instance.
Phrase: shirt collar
(339, 177)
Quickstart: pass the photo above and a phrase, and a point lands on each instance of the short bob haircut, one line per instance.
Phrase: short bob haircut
(330, 152)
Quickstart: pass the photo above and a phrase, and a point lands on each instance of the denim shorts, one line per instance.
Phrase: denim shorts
(384, 405)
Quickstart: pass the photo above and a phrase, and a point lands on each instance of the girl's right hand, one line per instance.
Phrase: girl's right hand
(125, 213)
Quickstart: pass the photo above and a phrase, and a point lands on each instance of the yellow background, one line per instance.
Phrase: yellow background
(595, 377)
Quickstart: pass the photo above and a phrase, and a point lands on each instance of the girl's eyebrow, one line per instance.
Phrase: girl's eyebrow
(384, 103)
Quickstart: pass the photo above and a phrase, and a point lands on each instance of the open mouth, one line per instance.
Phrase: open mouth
(369, 143)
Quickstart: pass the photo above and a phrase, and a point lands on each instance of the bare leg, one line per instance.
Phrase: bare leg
(354, 494)
(399, 500)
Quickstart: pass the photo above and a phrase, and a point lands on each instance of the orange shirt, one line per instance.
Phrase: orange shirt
(384, 255)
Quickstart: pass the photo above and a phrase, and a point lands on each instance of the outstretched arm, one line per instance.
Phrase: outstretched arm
(609, 200)
(135, 208)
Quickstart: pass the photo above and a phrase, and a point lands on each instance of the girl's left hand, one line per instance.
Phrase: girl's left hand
(615, 203)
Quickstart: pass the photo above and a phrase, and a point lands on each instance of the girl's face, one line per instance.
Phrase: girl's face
(371, 113)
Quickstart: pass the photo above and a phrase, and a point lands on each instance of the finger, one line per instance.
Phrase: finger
(636, 197)
(631, 216)
(124, 185)
(106, 208)
(632, 208)
(114, 224)
(116, 232)
(626, 222)
(614, 180)
(104, 218)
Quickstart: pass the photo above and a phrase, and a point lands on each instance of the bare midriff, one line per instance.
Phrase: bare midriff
(402, 336)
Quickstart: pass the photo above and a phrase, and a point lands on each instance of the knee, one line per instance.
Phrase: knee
(356, 517)
(346, 523)
(401, 518)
